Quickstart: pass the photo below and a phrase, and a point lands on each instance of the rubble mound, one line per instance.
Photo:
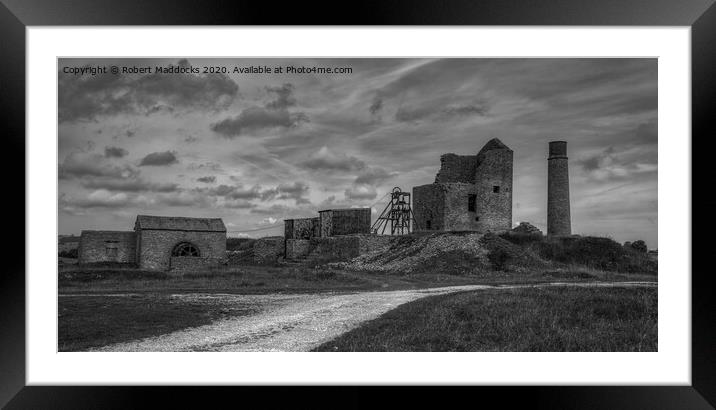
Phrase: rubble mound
(527, 228)
(444, 252)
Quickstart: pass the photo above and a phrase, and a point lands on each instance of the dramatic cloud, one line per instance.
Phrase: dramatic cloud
(257, 118)
(274, 114)
(115, 152)
(296, 191)
(87, 164)
(611, 164)
(326, 159)
(384, 125)
(207, 180)
(128, 185)
(284, 97)
(159, 159)
(234, 191)
(87, 97)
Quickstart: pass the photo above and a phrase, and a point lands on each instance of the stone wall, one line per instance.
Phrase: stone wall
(457, 216)
(185, 264)
(302, 228)
(456, 168)
(335, 247)
(494, 174)
(335, 222)
(155, 247)
(268, 250)
(485, 177)
(107, 246)
(297, 248)
(428, 207)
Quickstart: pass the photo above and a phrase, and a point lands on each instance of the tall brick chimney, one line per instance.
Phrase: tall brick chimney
(558, 217)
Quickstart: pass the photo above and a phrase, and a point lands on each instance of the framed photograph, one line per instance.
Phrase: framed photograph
(473, 197)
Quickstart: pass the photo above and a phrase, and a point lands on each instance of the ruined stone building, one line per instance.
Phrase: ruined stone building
(470, 192)
(159, 243)
(337, 233)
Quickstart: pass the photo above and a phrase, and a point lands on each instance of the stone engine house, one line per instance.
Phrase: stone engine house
(470, 192)
(159, 243)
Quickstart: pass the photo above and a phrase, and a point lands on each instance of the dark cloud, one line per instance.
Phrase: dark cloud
(86, 164)
(617, 164)
(207, 180)
(296, 191)
(87, 97)
(466, 109)
(274, 114)
(128, 185)
(234, 191)
(257, 118)
(376, 105)
(159, 159)
(326, 159)
(99, 199)
(115, 152)
(284, 97)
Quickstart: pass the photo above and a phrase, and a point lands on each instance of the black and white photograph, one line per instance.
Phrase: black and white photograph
(357, 204)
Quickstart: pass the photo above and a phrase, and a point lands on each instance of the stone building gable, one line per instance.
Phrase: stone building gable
(179, 223)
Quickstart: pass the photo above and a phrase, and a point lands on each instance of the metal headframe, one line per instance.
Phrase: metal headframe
(397, 215)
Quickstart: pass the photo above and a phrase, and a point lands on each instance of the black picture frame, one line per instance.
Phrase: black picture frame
(16, 15)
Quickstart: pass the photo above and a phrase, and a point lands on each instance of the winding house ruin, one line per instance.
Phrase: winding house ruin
(470, 192)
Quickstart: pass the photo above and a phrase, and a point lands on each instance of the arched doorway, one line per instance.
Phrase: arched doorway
(186, 249)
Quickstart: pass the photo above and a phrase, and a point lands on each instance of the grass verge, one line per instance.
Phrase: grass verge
(93, 321)
(551, 319)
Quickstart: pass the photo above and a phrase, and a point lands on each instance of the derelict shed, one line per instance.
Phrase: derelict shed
(106, 247)
(344, 221)
(179, 243)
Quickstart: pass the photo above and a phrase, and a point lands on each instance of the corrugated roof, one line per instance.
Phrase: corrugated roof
(179, 223)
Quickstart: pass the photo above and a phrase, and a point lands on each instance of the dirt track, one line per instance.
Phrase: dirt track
(297, 322)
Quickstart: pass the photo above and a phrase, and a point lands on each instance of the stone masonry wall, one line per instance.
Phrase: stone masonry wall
(351, 221)
(428, 205)
(302, 228)
(155, 247)
(494, 208)
(186, 264)
(335, 247)
(268, 250)
(457, 217)
(297, 248)
(97, 246)
(456, 168)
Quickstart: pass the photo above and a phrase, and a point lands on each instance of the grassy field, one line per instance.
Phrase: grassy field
(551, 319)
(92, 321)
(283, 279)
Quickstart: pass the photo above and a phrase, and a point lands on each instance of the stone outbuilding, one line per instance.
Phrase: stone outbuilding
(470, 192)
(159, 243)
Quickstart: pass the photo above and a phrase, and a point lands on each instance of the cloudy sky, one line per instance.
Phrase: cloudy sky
(256, 148)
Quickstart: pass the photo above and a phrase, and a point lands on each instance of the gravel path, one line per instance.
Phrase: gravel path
(298, 322)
